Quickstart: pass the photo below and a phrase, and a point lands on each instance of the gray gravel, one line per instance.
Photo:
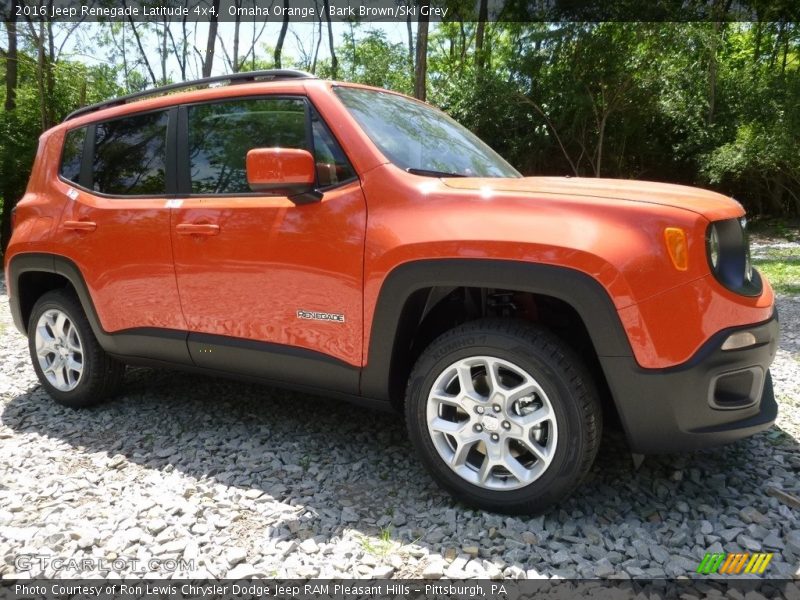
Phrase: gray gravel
(240, 480)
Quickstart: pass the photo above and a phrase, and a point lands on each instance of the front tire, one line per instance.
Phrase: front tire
(66, 356)
(503, 415)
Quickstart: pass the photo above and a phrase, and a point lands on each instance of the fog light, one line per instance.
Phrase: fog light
(740, 339)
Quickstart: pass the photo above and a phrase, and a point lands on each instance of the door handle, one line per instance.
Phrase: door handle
(197, 229)
(80, 225)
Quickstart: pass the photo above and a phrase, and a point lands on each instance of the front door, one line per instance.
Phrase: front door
(268, 287)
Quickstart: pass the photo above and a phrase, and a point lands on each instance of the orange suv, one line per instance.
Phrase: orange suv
(351, 241)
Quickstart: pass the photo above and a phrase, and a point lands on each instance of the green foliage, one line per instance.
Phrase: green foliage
(74, 84)
(372, 60)
(783, 273)
(709, 104)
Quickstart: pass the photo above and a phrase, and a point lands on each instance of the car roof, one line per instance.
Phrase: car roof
(248, 76)
(237, 84)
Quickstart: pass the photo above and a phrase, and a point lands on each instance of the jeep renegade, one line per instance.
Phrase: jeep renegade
(351, 241)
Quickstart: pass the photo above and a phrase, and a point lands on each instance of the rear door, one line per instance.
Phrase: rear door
(115, 227)
(268, 287)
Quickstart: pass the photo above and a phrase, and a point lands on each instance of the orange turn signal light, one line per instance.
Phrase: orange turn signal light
(677, 248)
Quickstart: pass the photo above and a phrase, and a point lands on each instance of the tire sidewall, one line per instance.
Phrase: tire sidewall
(57, 300)
(562, 472)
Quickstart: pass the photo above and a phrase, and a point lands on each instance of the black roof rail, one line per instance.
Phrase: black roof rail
(244, 77)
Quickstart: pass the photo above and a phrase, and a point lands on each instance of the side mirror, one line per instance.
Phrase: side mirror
(283, 172)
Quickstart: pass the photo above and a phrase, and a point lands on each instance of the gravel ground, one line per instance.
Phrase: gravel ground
(240, 480)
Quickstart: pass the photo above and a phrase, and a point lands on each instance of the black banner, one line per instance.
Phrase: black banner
(153, 589)
(310, 11)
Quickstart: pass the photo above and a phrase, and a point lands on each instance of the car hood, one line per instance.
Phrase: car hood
(711, 205)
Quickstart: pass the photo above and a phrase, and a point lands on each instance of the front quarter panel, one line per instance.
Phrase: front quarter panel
(618, 243)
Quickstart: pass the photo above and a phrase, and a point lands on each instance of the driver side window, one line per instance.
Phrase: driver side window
(221, 134)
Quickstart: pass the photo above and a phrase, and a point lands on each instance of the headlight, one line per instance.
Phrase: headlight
(713, 246)
(728, 252)
(748, 263)
(748, 267)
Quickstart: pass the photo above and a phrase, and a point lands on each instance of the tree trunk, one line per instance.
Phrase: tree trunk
(316, 49)
(50, 75)
(282, 35)
(483, 16)
(601, 136)
(462, 38)
(421, 67)
(11, 58)
(164, 53)
(785, 55)
(184, 58)
(208, 62)
(9, 193)
(180, 53)
(141, 50)
(776, 195)
(757, 47)
(236, 24)
(712, 73)
(334, 60)
(410, 33)
(125, 70)
(40, 73)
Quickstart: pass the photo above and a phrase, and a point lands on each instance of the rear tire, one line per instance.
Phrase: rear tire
(66, 356)
(515, 442)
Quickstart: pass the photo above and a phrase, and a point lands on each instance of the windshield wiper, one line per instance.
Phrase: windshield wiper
(429, 173)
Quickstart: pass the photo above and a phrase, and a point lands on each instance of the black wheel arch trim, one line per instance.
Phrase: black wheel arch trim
(19, 264)
(581, 291)
(163, 344)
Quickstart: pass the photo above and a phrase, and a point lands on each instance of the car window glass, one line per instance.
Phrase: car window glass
(221, 134)
(332, 164)
(417, 137)
(72, 155)
(130, 155)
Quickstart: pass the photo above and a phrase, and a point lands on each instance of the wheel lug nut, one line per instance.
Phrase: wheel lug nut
(495, 437)
(506, 425)
(478, 428)
(479, 410)
(496, 408)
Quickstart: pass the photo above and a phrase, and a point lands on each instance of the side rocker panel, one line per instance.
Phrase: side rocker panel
(220, 355)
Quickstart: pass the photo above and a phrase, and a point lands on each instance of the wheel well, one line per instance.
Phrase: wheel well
(31, 285)
(430, 312)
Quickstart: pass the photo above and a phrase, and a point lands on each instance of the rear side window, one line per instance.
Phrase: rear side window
(130, 155)
(221, 134)
(72, 155)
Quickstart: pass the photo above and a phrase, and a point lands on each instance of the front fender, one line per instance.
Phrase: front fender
(582, 292)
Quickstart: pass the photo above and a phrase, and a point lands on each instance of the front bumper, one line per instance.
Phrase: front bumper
(716, 397)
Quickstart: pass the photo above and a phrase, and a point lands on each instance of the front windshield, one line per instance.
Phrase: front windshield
(420, 139)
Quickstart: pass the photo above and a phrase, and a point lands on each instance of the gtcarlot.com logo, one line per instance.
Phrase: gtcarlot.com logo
(735, 563)
(37, 562)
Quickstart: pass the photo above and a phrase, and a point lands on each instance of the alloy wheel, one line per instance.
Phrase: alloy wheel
(492, 423)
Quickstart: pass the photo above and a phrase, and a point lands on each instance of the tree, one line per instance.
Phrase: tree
(208, 61)
(480, 33)
(11, 61)
(282, 35)
(421, 60)
(142, 53)
(334, 60)
(371, 59)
